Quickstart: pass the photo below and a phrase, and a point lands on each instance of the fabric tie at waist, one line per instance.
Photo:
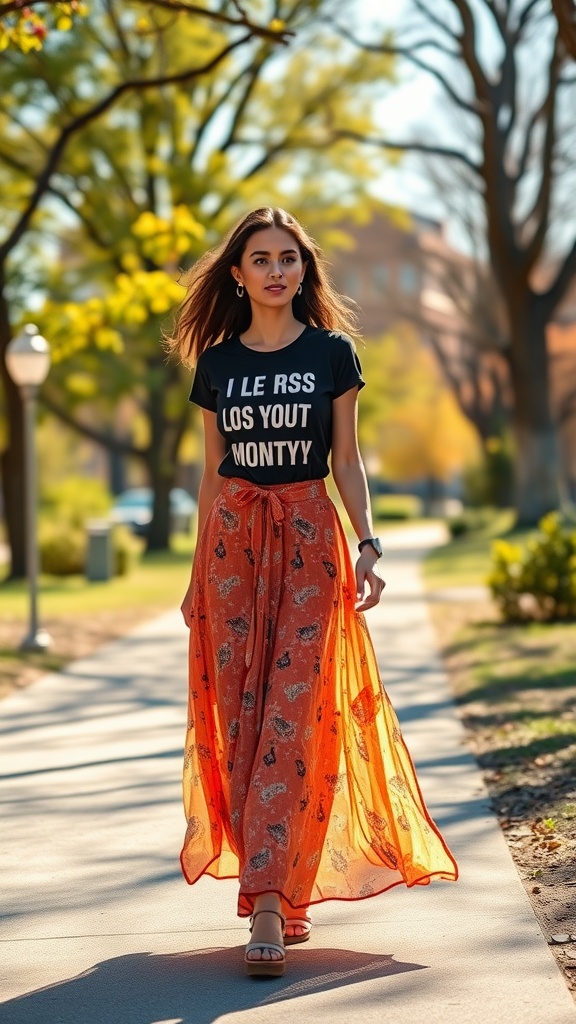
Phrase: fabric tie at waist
(266, 538)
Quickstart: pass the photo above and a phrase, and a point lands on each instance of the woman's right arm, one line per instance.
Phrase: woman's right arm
(210, 487)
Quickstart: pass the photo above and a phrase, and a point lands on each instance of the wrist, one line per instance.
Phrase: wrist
(371, 544)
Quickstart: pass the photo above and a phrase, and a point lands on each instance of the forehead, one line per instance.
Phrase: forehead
(272, 240)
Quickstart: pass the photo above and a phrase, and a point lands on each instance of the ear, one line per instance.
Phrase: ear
(236, 274)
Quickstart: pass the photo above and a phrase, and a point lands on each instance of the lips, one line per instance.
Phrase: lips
(276, 288)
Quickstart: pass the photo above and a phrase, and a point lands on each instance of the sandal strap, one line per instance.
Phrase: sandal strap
(301, 922)
(265, 945)
(277, 912)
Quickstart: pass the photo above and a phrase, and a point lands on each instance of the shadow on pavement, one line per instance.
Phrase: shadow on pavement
(196, 987)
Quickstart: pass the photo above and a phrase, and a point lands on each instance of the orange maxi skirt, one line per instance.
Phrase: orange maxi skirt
(296, 777)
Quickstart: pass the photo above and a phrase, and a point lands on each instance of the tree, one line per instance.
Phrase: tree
(565, 11)
(514, 129)
(208, 144)
(411, 425)
(72, 97)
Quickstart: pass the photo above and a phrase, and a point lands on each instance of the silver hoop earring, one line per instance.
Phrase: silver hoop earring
(299, 292)
(240, 291)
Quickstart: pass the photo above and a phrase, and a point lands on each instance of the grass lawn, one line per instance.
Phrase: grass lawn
(465, 561)
(81, 615)
(515, 686)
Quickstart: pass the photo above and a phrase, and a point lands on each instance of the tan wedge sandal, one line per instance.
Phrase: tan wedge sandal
(265, 968)
(299, 922)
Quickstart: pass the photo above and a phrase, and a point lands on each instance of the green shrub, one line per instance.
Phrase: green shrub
(490, 481)
(396, 506)
(537, 582)
(62, 549)
(126, 549)
(76, 499)
(471, 520)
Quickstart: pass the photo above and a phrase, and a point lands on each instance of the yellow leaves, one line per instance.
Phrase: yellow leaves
(162, 240)
(409, 420)
(130, 261)
(81, 385)
(147, 225)
(103, 322)
(27, 28)
(108, 338)
(277, 25)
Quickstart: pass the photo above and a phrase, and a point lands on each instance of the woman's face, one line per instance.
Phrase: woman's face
(271, 267)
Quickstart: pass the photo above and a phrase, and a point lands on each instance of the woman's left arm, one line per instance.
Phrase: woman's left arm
(350, 479)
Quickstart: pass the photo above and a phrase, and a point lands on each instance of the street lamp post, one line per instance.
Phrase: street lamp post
(28, 362)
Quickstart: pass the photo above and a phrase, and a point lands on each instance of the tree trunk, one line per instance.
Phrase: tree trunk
(12, 458)
(537, 465)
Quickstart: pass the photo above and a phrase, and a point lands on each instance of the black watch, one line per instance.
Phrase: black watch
(374, 543)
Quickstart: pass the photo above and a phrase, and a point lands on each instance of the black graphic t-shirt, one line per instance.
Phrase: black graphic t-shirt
(274, 409)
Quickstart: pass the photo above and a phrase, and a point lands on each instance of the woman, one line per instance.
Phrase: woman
(296, 779)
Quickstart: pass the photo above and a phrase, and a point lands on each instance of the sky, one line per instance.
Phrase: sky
(413, 103)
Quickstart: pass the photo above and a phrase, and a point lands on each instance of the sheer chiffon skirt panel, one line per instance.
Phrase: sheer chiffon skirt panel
(296, 776)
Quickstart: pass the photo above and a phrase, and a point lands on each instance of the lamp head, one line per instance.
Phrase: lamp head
(28, 357)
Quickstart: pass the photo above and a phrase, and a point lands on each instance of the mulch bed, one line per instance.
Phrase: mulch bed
(520, 713)
(72, 638)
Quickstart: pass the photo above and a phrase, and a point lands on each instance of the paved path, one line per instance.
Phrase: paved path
(99, 927)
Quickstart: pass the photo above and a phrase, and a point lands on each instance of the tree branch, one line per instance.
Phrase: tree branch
(468, 49)
(564, 277)
(427, 11)
(109, 441)
(565, 12)
(242, 22)
(541, 207)
(411, 147)
(407, 52)
(43, 179)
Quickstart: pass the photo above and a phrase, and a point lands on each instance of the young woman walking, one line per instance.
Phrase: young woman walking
(296, 778)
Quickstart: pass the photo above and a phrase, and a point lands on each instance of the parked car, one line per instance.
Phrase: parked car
(134, 508)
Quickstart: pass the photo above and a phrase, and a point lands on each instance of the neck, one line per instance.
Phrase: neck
(271, 328)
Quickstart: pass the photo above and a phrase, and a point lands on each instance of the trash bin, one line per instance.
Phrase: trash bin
(99, 554)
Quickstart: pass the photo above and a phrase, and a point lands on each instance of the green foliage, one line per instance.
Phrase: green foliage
(470, 521)
(410, 425)
(66, 508)
(396, 506)
(126, 549)
(74, 500)
(490, 480)
(537, 582)
(62, 549)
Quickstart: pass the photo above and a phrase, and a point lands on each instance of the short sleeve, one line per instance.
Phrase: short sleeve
(345, 366)
(202, 392)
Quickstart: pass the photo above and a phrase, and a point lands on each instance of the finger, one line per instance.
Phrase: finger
(372, 598)
(360, 584)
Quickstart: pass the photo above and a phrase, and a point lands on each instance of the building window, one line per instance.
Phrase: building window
(380, 277)
(408, 279)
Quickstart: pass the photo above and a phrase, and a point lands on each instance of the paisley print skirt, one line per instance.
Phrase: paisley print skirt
(296, 776)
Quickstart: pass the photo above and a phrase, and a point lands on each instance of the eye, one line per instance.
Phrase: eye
(289, 259)
(259, 260)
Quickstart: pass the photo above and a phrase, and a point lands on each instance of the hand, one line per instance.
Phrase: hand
(367, 574)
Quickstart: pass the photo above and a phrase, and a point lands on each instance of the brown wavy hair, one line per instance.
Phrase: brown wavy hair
(211, 310)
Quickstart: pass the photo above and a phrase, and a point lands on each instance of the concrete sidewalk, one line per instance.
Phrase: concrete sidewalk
(100, 928)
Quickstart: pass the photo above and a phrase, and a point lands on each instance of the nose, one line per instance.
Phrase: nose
(275, 270)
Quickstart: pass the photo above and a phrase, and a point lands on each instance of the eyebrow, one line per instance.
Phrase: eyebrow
(265, 252)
